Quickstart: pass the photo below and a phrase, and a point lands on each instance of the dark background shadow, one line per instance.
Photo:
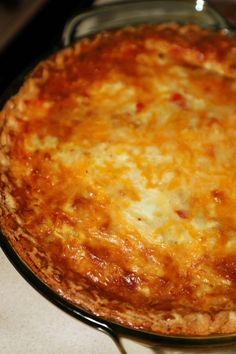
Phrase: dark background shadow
(41, 35)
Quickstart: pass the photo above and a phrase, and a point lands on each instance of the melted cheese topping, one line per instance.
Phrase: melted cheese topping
(121, 166)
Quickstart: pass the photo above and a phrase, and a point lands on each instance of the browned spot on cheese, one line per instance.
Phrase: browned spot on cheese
(226, 266)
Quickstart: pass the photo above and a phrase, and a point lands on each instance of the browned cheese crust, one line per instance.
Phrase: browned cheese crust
(118, 172)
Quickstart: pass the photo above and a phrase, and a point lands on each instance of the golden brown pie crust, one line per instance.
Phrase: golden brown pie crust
(118, 174)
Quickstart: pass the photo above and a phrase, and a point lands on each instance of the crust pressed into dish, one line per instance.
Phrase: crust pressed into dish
(118, 172)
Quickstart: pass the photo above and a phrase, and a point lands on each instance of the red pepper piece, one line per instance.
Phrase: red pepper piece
(182, 213)
(178, 98)
(139, 106)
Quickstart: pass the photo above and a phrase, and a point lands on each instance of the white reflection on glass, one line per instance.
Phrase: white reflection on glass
(199, 5)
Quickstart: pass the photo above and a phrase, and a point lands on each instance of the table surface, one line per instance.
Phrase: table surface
(29, 324)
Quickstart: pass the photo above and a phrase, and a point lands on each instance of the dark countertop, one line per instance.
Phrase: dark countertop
(38, 37)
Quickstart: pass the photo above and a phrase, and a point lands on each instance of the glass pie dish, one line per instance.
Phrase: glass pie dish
(88, 23)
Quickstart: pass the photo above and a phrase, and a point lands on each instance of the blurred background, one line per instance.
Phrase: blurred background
(31, 28)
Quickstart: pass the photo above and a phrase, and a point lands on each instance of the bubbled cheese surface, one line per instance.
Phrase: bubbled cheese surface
(122, 169)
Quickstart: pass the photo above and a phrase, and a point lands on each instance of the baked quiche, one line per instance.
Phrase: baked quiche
(118, 177)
